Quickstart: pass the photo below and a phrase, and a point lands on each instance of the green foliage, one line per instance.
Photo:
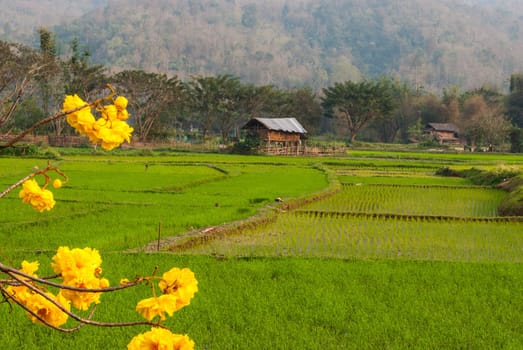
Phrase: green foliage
(482, 177)
(249, 145)
(357, 104)
(516, 140)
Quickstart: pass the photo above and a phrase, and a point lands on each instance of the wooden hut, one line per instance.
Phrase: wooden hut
(444, 133)
(277, 135)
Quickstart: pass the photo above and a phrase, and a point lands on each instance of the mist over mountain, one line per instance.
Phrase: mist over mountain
(431, 44)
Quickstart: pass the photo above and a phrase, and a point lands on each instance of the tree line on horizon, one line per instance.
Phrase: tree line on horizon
(197, 109)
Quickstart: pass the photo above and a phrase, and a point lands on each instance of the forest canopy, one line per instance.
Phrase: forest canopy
(289, 44)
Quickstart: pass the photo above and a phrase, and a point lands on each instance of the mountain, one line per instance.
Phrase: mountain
(21, 19)
(434, 44)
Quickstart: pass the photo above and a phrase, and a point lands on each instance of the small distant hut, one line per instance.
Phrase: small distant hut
(444, 133)
(277, 135)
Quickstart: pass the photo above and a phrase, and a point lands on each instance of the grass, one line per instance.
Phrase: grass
(370, 237)
(417, 200)
(131, 201)
(297, 303)
(313, 279)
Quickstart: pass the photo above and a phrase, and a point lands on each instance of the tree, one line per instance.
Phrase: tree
(149, 94)
(20, 70)
(395, 126)
(213, 101)
(79, 76)
(489, 127)
(357, 104)
(50, 79)
(304, 106)
(515, 100)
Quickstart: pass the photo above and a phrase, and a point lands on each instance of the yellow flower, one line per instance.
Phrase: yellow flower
(124, 281)
(80, 268)
(40, 199)
(111, 129)
(160, 339)
(73, 102)
(76, 262)
(30, 267)
(113, 133)
(46, 309)
(123, 115)
(181, 283)
(21, 292)
(121, 103)
(83, 300)
(57, 183)
(82, 120)
(152, 307)
(109, 112)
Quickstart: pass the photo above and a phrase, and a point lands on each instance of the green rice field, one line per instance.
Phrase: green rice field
(367, 251)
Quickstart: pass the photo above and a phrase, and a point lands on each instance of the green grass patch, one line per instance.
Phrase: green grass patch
(413, 200)
(321, 278)
(119, 203)
(368, 237)
(293, 303)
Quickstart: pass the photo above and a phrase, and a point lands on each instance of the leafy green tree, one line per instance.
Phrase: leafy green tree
(27, 114)
(79, 76)
(515, 100)
(303, 105)
(395, 126)
(149, 95)
(357, 104)
(516, 140)
(50, 79)
(213, 101)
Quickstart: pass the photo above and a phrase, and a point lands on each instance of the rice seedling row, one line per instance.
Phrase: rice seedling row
(371, 237)
(413, 200)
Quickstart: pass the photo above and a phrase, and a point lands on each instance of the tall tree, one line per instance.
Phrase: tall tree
(357, 104)
(394, 127)
(515, 100)
(51, 79)
(303, 105)
(79, 76)
(18, 68)
(213, 101)
(491, 128)
(149, 95)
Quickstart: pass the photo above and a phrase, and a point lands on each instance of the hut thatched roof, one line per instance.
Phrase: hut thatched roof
(290, 125)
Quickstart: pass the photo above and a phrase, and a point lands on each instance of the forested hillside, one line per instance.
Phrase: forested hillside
(287, 43)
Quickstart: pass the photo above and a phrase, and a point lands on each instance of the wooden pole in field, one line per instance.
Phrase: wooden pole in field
(159, 236)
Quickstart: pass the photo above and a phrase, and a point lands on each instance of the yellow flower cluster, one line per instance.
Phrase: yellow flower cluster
(110, 129)
(38, 304)
(40, 198)
(80, 268)
(178, 287)
(159, 338)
